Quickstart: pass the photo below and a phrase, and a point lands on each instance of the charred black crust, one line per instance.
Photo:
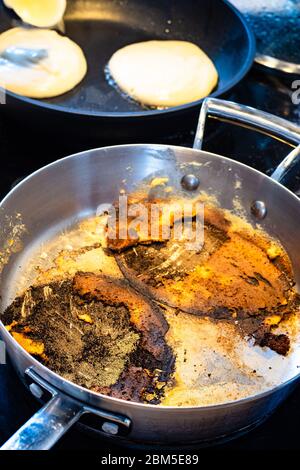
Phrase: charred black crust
(279, 343)
(248, 322)
(49, 319)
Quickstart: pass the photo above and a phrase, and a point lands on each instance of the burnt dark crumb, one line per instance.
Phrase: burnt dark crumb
(263, 334)
(221, 313)
(279, 343)
(142, 358)
(261, 278)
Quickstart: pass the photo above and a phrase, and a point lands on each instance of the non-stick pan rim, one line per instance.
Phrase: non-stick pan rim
(5, 333)
(144, 114)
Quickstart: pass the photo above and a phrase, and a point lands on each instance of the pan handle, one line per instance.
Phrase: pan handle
(52, 421)
(47, 426)
(252, 118)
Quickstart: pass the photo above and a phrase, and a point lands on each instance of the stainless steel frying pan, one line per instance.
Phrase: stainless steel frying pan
(73, 187)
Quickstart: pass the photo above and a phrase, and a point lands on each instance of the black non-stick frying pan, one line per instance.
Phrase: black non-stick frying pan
(101, 27)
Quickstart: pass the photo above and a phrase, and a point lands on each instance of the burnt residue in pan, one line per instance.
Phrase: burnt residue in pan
(239, 275)
(96, 332)
(110, 334)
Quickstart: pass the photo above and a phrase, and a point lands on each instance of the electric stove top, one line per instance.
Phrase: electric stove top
(25, 151)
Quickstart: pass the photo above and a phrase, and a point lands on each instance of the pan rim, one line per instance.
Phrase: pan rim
(130, 404)
(248, 62)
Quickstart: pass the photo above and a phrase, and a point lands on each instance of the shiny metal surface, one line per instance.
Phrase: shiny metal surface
(22, 56)
(46, 426)
(54, 419)
(190, 182)
(72, 188)
(246, 116)
(254, 119)
(287, 165)
(259, 210)
(277, 64)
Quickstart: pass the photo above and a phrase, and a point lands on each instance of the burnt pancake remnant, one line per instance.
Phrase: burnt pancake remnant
(240, 275)
(96, 332)
(110, 335)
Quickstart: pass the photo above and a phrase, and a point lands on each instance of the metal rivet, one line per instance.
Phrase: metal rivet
(36, 390)
(190, 182)
(259, 210)
(110, 428)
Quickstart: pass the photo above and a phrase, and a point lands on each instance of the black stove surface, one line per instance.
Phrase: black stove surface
(23, 152)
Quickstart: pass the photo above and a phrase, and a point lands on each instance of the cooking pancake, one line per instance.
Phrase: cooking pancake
(96, 331)
(44, 14)
(163, 73)
(39, 63)
(238, 274)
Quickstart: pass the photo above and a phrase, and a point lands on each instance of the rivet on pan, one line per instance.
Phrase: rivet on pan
(36, 390)
(110, 428)
(259, 210)
(190, 182)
